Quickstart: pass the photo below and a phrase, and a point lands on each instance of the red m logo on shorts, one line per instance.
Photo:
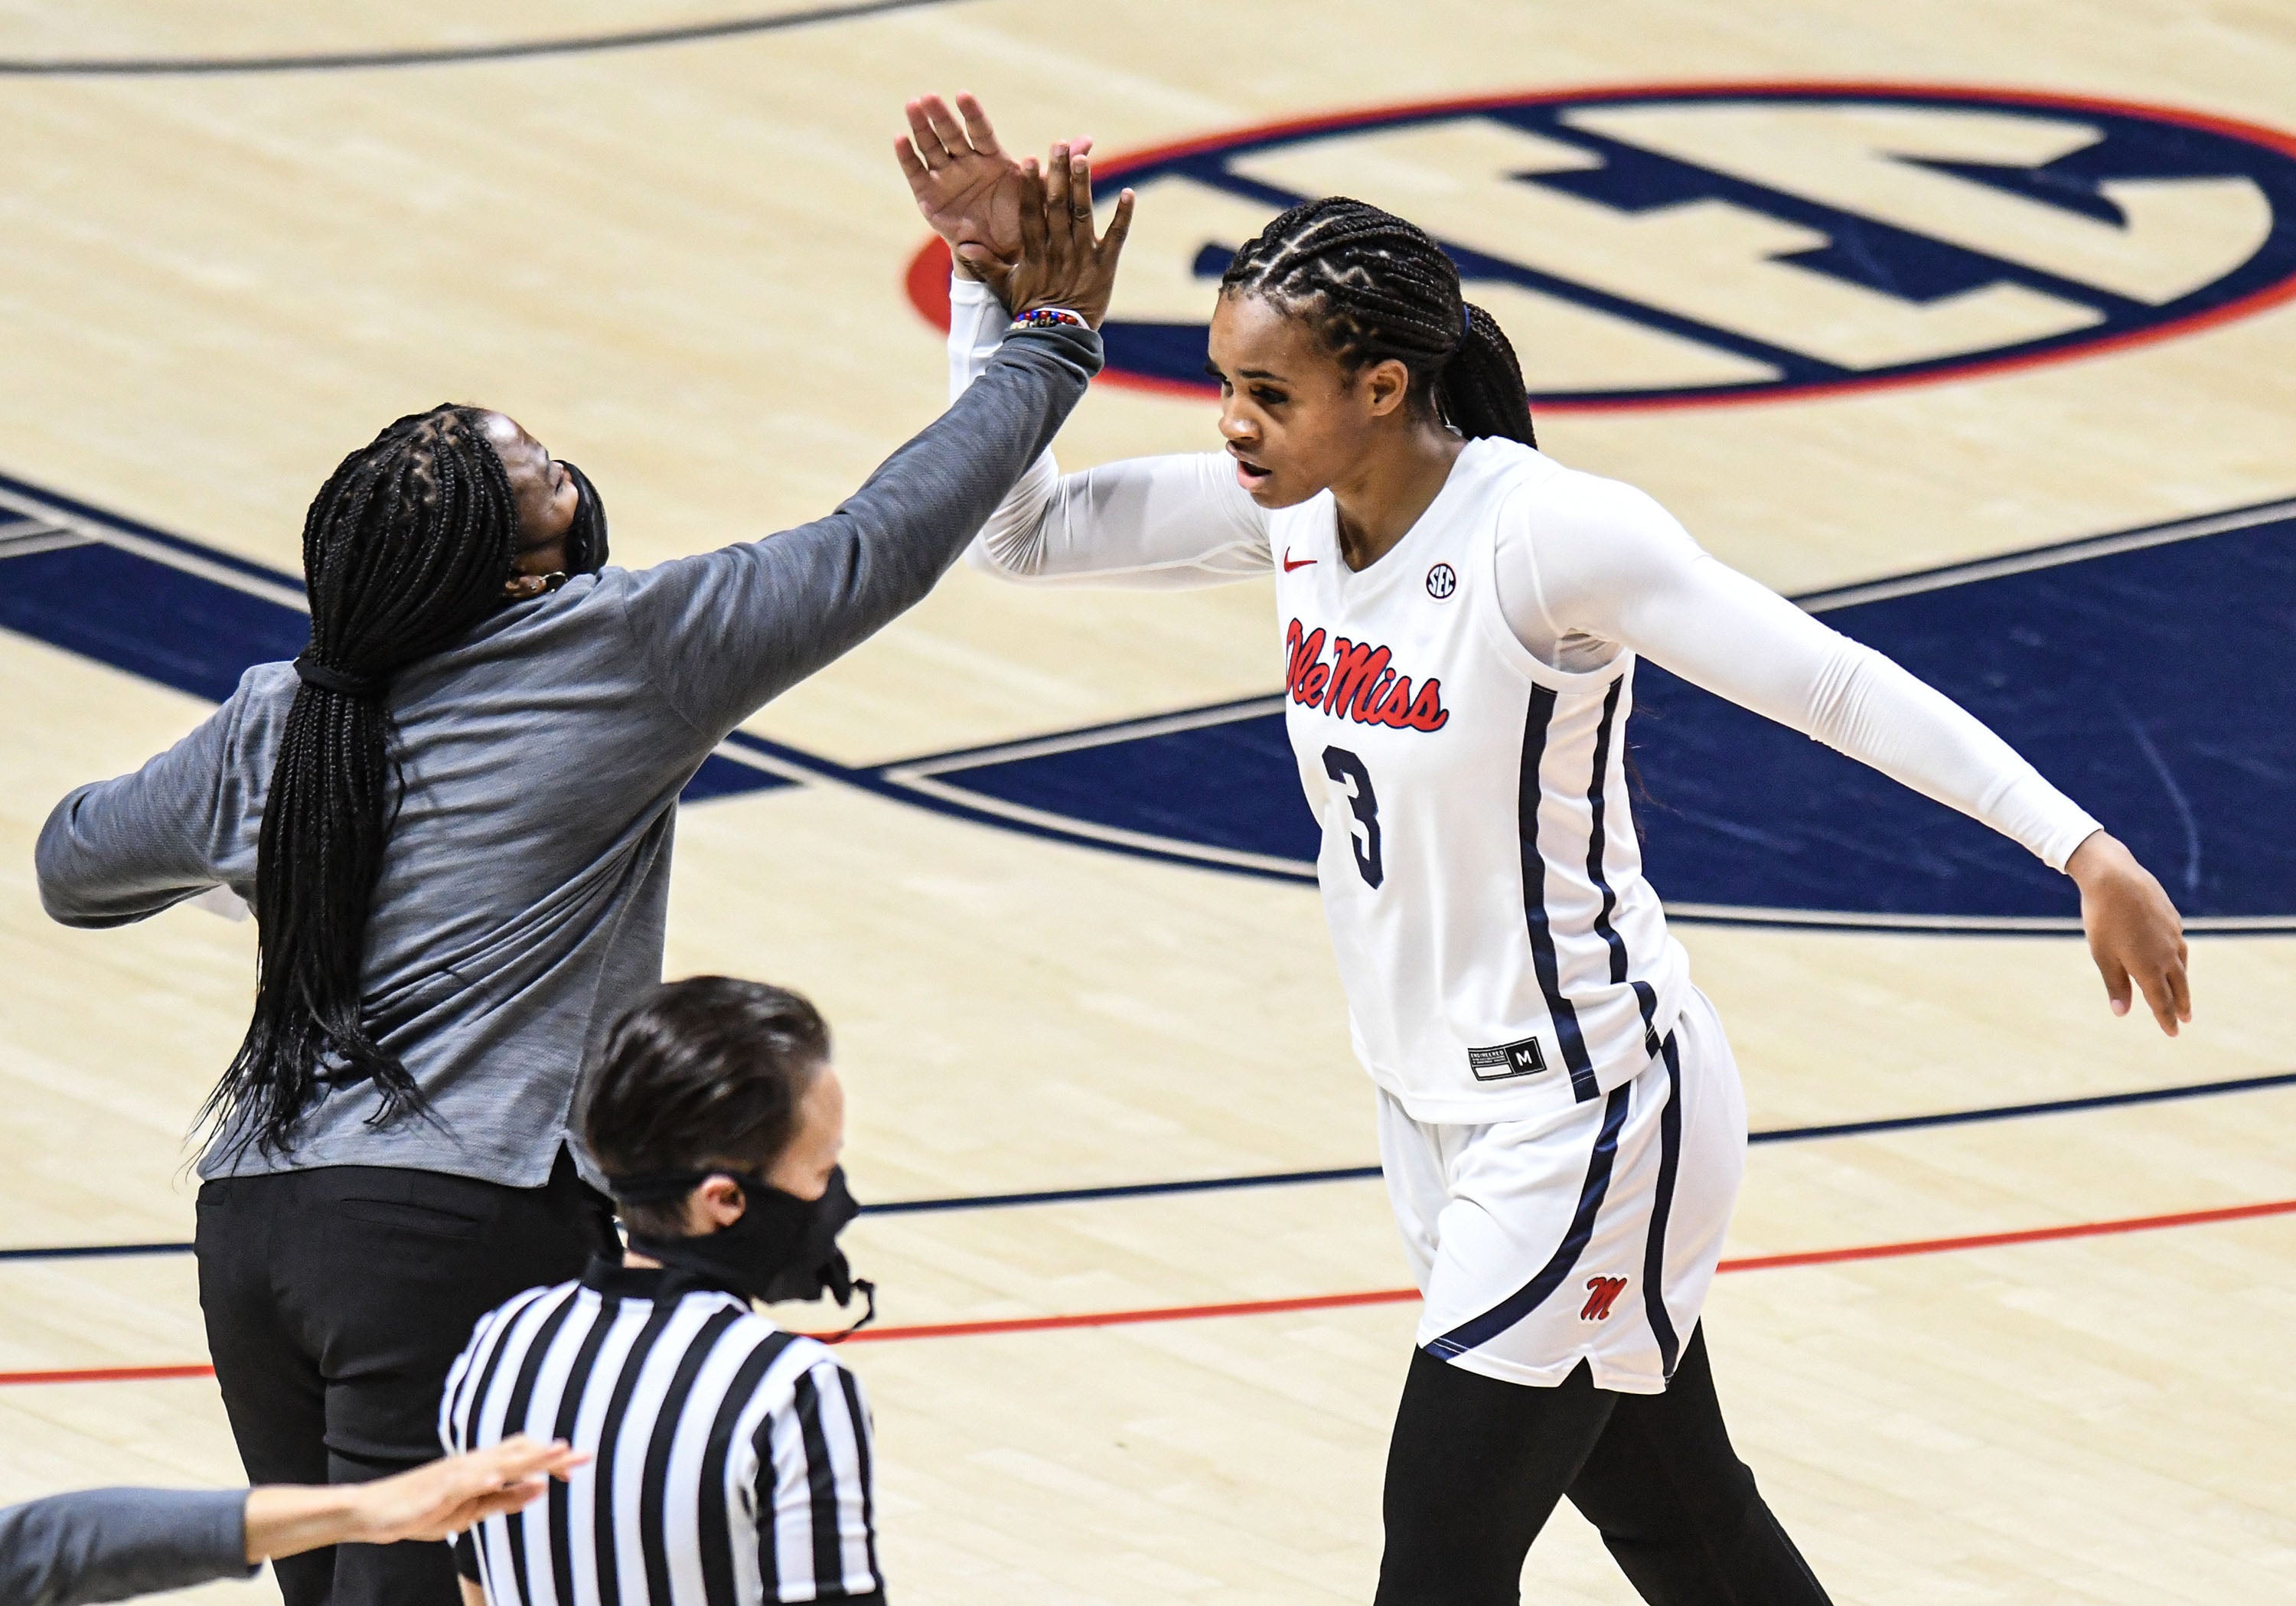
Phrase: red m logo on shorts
(1602, 1293)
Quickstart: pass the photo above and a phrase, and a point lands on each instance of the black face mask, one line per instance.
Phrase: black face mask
(586, 541)
(783, 1247)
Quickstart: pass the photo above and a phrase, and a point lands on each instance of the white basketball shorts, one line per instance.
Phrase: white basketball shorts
(1592, 1235)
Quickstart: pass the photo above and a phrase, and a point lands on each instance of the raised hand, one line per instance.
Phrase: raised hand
(1062, 262)
(969, 190)
(2134, 933)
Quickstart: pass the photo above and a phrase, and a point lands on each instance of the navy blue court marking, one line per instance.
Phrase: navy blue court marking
(449, 56)
(129, 595)
(2136, 142)
(1356, 1174)
(1780, 1134)
(2142, 669)
(2145, 672)
(2150, 683)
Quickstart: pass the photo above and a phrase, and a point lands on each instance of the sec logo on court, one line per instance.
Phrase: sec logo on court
(1681, 244)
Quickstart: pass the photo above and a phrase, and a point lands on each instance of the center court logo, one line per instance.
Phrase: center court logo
(1665, 246)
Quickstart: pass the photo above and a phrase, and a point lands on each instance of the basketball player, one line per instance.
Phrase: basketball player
(452, 815)
(1560, 1117)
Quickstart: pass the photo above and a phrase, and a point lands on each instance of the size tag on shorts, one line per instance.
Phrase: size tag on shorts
(1522, 1059)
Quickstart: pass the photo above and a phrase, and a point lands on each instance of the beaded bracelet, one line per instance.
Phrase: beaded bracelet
(1049, 318)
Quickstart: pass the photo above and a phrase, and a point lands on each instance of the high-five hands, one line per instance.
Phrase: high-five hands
(1062, 262)
(967, 187)
(1026, 231)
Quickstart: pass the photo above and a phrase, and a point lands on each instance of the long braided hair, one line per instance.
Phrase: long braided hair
(1375, 287)
(405, 550)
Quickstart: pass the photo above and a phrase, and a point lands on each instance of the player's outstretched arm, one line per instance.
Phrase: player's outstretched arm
(728, 631)
(121, 850)
(1611, 563)
(1169, 522)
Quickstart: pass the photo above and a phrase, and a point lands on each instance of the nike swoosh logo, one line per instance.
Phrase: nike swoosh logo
(1291, 563)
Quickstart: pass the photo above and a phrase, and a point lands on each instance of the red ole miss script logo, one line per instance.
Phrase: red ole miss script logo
(1357, 684)
(1602, 1293)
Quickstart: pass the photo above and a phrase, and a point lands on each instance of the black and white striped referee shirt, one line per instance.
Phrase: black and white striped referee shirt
(730, 1460)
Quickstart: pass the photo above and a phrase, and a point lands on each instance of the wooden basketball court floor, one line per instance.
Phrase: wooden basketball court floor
(684, 264)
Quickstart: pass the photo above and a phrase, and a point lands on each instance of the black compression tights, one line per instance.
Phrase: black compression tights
(1476, 1466)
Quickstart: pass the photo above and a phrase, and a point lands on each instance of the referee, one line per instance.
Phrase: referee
(453, 815)
(731, 1461)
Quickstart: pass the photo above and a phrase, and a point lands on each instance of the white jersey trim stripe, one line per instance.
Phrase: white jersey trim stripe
(857, 1413)
(668, 1526)
(837, 1482)
(622, 1443)
(582, 1489)
(534, 1569)
(729, 1463)
(674, 1471)
(537, 1325)
(726, 1468)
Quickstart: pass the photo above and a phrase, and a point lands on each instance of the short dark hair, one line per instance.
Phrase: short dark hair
(704, 1072)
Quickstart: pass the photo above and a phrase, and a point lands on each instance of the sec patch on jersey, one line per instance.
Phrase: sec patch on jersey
(1680, 244)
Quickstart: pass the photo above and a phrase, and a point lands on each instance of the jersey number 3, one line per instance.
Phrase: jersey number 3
(1346, 768)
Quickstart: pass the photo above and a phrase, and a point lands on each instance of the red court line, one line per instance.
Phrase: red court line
(111, 1374)
(1324, 1302)
(2026, 1235)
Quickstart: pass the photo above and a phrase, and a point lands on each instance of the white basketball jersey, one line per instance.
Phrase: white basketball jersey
(1501, 952)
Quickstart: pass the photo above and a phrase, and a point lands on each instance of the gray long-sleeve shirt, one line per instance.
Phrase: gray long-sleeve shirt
(107, 1544)
(525, 884)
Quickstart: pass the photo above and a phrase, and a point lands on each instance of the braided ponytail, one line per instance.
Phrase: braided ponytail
(1480, 388)
(1377, 289)
(405, 550)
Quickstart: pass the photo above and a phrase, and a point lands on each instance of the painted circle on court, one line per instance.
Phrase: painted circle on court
(1685, 244)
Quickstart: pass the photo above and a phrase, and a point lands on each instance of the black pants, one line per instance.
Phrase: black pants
(1477, 1465)
(336, 1300)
